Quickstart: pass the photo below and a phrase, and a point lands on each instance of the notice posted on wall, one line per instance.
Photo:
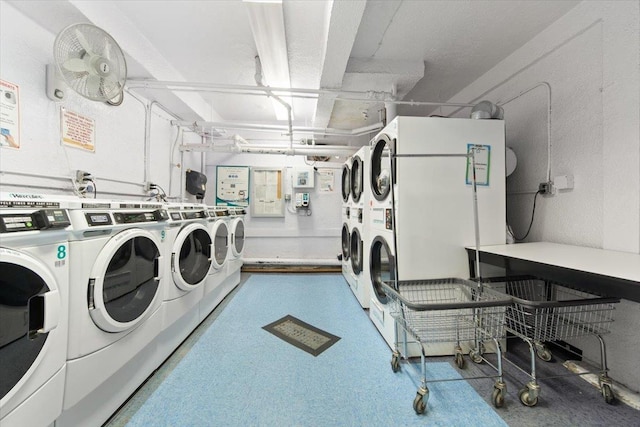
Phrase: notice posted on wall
(483, 164)
(327, 180)
(77, 131)
(232, 186)
(9, 115)
(267, 200)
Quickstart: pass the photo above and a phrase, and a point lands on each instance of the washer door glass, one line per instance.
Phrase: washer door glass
(356, 178)
(346, 237)
(221, 244)
(238, 237)
(346, 183)
(381, 168)
(131, 280)
(382, 267)
(194, 260)
(20, 345)
(356, 251)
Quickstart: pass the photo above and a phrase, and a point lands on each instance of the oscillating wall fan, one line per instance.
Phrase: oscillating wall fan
(90, 62)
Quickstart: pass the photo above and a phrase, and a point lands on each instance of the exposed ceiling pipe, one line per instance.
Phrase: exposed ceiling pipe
(258, 77)
(279, 128)
(326, 150)
(390, 107)
(133, 83)
(320, 149)
(238, 139)
(548, 86)
(342, 95)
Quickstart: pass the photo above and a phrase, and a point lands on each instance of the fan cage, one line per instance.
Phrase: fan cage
(90, 85)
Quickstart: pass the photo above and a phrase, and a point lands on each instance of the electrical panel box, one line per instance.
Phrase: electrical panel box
(303, 177)
(302, 200)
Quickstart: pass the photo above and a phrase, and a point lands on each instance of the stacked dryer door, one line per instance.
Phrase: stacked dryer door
(382, 245)
(189, 252)
(360, 229)
(214, 287)
(433, 201)
(347, 271)
(236, 230)
(116, 268)
(34, 286)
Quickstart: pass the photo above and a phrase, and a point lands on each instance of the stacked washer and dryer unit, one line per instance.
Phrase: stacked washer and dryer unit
(347, 270)
(360, 228)
(116, 272)
(433, 206)
(34, 311)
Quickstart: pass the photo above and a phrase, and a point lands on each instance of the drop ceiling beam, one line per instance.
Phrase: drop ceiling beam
(369, 74)
(344, 21)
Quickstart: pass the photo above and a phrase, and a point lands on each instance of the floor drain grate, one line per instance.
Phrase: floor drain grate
(302, 335)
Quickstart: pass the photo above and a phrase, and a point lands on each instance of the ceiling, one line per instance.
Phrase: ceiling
(426, 50)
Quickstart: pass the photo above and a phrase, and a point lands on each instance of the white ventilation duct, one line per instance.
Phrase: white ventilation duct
(487, 110)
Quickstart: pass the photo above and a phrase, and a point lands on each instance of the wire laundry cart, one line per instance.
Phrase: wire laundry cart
(447, 310)
(544, 311)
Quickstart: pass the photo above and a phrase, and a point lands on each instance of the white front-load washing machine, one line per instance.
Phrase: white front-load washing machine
(189, 248)
(347, 270)
(214, 290)
(434, 218)
(116, 267)
(236, 246)
(360, 239)
(34, 296)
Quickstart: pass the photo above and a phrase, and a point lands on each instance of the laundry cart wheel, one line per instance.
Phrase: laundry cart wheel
(498, 397)
(419, 403)
(607, 393)
(395, 362)
(543, 352)
(526, 399)
(459, 361)
(476, 356)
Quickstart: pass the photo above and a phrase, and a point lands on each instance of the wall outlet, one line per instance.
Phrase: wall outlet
(82, 176)
(545, 188)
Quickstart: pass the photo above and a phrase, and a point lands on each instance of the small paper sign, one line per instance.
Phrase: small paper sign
(483, 164)
(77, 131)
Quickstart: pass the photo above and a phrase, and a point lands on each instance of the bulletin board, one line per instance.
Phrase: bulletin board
(267, 199)
(232, 186)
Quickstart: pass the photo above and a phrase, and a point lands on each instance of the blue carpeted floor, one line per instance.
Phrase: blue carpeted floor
(238, 374)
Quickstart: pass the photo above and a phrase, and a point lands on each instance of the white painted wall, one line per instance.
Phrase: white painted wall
(25, 50)
(296, 238)
(591, 59)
